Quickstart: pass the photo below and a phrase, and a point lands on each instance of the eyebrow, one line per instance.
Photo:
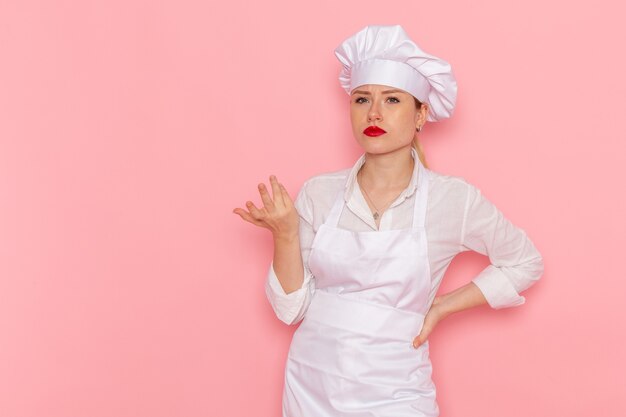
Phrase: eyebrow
(384, 92)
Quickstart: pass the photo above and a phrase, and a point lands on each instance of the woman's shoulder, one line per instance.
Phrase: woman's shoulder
(448, 195)
(447, 183)
(318, 191)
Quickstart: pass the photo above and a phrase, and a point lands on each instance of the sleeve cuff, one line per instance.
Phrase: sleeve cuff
(288, 307)
(497, 288)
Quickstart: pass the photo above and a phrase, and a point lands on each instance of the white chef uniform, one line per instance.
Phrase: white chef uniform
(352, 354)
(354, 357)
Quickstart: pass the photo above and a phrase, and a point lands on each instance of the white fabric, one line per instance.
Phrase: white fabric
(352, 355)
(384, 54)
(459, 218)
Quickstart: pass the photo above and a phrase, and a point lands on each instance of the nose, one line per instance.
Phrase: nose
(374, 112)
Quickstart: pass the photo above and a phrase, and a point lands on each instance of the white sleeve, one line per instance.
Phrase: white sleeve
(515, 262)
(291, 308)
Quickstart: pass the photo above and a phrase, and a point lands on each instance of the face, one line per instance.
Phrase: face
(388, 108)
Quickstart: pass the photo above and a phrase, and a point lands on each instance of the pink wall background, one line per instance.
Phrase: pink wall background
(129, 130)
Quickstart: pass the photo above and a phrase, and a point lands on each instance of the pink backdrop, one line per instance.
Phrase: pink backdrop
(129, 130)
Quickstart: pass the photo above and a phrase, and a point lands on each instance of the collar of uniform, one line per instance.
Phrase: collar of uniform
(408, 191)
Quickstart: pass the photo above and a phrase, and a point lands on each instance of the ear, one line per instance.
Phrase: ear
(422, 115)
(424, 110)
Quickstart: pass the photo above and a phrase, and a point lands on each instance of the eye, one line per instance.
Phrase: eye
(358, 100)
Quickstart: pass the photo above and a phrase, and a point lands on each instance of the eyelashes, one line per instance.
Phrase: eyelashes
(363, 98)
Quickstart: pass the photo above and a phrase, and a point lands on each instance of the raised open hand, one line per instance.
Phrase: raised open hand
(278, 213)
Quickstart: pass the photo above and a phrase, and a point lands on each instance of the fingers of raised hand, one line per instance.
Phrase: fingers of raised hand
(248, 217)
(286, 197)
(272, 208)
(276, 190)
(265, 196)
(258, 214)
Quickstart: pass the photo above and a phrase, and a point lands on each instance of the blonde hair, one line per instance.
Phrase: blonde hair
(416, 144)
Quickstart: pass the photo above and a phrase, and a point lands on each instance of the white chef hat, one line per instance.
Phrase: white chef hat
(384, 54)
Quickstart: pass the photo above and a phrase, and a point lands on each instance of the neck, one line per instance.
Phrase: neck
(388, 170)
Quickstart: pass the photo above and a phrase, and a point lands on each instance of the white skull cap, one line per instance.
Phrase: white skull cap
(384, 54)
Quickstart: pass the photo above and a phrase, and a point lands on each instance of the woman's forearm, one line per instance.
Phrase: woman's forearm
(287, 262)
(460, 299)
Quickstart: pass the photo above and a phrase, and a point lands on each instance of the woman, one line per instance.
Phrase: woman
(377, 239)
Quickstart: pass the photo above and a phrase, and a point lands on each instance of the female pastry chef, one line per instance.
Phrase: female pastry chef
(360, 254)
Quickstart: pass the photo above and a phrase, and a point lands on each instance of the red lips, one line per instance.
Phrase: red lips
(374, 131)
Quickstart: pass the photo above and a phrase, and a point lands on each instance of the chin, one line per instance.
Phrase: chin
(380, 148)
